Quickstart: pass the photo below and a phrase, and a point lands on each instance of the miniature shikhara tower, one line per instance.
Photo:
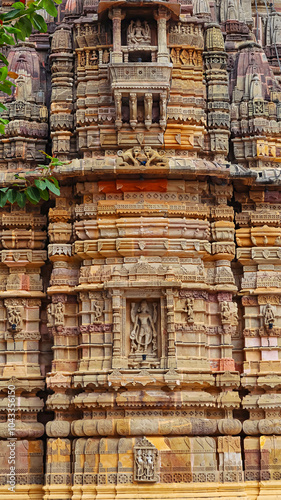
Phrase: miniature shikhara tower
(140, 311)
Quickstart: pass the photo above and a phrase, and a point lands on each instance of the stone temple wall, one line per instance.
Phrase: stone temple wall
(140, 311)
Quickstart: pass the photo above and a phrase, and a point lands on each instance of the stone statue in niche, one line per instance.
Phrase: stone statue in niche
(268, 316)
(59, 314)
(225, 312)
(24, 88)
(49, 315)
(138, 34)
(143, 334)
(145, 461)
(14, 319)
(97, 311)
(190, 310)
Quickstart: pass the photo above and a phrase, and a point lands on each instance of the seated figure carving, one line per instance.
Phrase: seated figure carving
(138, 34)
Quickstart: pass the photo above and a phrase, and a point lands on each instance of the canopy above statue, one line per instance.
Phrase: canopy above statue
(173, 5)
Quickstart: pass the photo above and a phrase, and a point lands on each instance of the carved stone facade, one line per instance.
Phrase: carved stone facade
(140, 311)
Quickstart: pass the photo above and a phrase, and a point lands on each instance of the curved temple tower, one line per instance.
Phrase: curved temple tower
(140, 311)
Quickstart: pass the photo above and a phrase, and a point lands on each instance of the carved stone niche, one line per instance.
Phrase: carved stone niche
(145, 461)
(143, 318)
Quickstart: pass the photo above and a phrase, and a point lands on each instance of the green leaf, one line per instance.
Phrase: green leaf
(12, 195)
(40, 183)
(50, 185)
(50, 7)
(25, 27)
(4, 59)
(3, 73)
(2, 106)
(21, 199)
(4, 190)
(8, 39)
(10, 29)
(33, 194)
(3, 199)
(55, 181)
(12, 14)
(18, 5)
(44, 194)
(39, 23)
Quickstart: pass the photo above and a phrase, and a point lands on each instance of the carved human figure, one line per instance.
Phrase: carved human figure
(94, 58)
(82, 59)
(144, 332)
(49, 315)
(268, 316)
(139, 464)
(105, 57)
(235, 313)
(190, 310)
(97, 311)
(24, 88)
(14, 318)
(59, 313)
(138, 33)
(149, 465)
(225, 310)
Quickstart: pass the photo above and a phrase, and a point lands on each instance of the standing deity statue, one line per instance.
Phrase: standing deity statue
(144, 332)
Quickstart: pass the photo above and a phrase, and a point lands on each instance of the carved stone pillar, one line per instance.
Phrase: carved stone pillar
(62, 91)
(148, 101)
(162, 16)
(163, 110)
(117, 16)
(133, 110)
(172, 362)
(118, 109)
(117, 360)
(217, 91)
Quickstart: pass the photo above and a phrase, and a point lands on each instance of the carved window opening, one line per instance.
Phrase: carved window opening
(141, 108)
(140, 56)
